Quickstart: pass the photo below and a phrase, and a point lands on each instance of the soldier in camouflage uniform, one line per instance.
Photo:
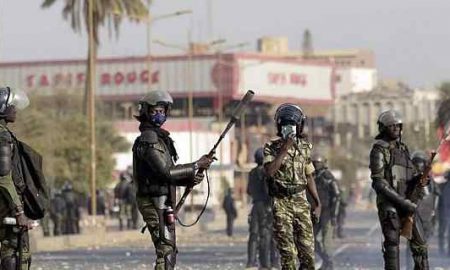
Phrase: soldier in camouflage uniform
(393, 173)
(329, 196)
(156, 175)
(288, 164)
(11, 200)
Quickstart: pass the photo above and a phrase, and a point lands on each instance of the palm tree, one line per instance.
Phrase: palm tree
(106, 12)
(109, 12)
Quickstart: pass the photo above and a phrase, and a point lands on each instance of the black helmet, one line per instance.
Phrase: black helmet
(420, 160)
(318, 160)
(289, 114)
(259, 156)
(154, 98)
(419, 155)
(10, 97)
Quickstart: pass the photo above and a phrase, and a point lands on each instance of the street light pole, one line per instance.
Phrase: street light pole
(91, 101)
(150, 22)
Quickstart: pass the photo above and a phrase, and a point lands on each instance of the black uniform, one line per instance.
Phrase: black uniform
(156, 176)
(230, 210)
(120, 194)
(444, 217)
(392, 172)
(329, 196)
(58, 213)
(260, 221)
(72, 217)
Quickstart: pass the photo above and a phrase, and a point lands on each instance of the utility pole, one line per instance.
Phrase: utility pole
(91, 107)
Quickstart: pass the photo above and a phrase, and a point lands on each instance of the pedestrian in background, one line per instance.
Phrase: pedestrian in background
(229, 207)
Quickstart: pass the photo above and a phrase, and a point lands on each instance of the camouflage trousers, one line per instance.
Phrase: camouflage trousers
(163, 237)
(293, 232)
(9, 251)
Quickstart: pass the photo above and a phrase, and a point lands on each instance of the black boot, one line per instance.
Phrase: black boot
(391, 259)
(421, 261)
(9, 263)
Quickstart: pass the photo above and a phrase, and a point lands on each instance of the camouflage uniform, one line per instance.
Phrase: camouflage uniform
(293, 229)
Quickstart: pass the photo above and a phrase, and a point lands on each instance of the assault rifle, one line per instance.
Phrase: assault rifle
(236, 115)
(412, 192)
(412, 195)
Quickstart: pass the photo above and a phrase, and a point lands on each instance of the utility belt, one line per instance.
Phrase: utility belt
(278, 190)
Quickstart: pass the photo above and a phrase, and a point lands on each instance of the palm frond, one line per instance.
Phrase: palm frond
(47, 3)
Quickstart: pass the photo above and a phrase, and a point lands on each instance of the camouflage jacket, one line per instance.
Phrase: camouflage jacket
(296, 164)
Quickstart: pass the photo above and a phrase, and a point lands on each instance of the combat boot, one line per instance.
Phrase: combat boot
(391, 258)
(9, 263)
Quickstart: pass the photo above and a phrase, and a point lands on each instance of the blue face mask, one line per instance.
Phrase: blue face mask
(158, 119)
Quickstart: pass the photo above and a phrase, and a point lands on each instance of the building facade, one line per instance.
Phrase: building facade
(355, 115)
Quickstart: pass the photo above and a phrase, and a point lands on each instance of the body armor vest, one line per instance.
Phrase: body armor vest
(145, 177)
(323, 188)
(401, 169)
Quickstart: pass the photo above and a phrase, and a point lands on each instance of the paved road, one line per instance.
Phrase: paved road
(361, 249)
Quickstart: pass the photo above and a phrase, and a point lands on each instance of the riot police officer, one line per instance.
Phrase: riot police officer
(426, 208)
(58, 213)
(120, 194)
(10, 196)
(287, 162)
(329, 196)
(444, 217)
(156, 175)
(392, 172)
(260, 219)
(72, 205)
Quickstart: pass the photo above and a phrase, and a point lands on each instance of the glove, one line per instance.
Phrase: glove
(198, 178)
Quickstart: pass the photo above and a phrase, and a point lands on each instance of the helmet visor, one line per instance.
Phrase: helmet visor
(18, 99)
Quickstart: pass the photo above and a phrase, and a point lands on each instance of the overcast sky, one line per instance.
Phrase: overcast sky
(410, 38)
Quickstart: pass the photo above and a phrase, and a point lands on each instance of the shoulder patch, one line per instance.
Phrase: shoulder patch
(149, 136)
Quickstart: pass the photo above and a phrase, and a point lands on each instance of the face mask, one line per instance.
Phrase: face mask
(158, 119)
(287, 130)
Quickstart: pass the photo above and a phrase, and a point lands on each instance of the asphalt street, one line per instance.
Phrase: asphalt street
(360, 249)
